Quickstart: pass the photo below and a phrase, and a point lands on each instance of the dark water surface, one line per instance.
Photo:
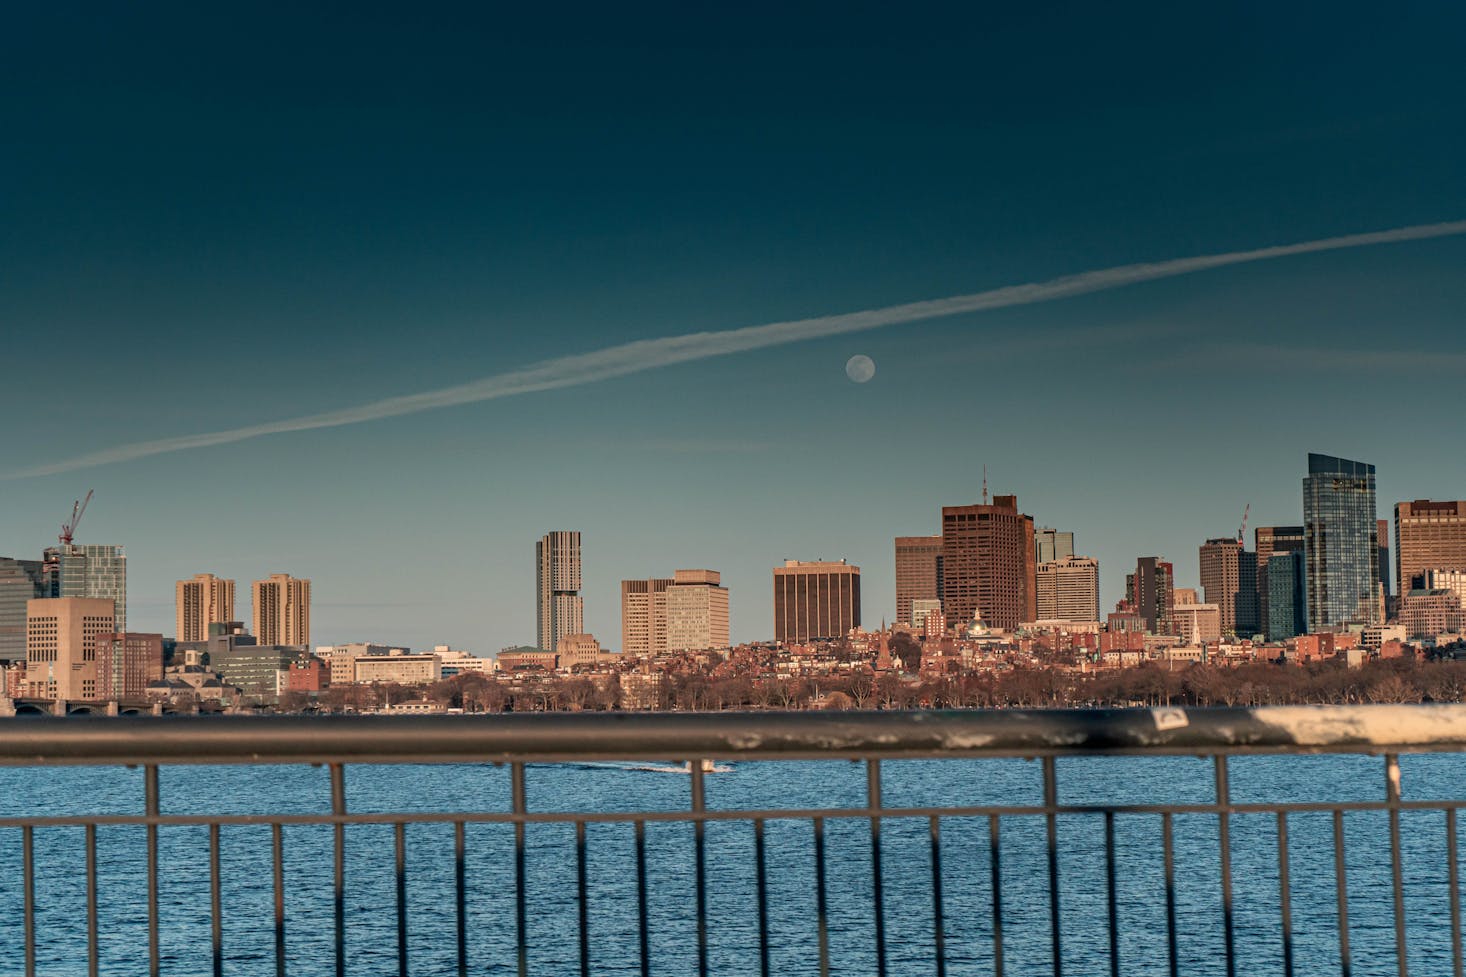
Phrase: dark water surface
(731, 900)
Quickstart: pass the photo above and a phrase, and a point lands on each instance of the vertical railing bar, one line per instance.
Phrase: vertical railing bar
(995, 861)
(1051, 803)
(582, 900)
(873, 801)
(92, 956)
(1224, 846)
(1111, 895)
(1285, 894)
(642, 933)
(277, 838)
(1341, 894)
(460, 894)
(1453, 890)
(28, 887)
(819, 882)
(216, 901)
(1397, 868)
(939, 925)
(399, 844)
(1168, 855)
(699, 842)
(761, 879)
(150, 805)
(338, 808)
(521, 922)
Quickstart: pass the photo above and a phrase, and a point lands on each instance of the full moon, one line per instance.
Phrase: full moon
(860, 368)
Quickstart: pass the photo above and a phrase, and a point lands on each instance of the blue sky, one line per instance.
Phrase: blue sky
(213, 220)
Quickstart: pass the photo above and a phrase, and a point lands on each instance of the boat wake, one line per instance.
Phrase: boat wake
(678, 768)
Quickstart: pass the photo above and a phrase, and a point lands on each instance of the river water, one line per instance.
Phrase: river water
(732, 916)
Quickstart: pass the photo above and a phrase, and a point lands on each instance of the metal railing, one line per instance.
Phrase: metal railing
(520, 743)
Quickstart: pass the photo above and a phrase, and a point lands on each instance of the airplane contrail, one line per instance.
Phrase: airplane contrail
(649, 354)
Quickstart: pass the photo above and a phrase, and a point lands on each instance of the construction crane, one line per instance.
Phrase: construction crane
(68, 529)
(1242, 530)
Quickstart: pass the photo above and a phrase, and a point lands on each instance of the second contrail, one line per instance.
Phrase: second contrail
(649, 354)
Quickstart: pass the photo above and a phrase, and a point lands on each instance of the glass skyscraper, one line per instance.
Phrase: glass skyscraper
(20, 581)
(73, 570)
(1285, 596)
(1340, 543)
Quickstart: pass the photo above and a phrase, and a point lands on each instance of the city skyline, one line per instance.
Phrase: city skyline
(1184, 574)
(335, 240)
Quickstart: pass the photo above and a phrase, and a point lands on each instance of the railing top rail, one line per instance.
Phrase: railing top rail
(726, 735)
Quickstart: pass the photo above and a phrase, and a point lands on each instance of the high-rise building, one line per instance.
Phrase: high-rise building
(697, 611)
(1150, 592)
(1267, 541)
(686, 612)
(559, 608)
(1382, 533)
(282, 610)
(74, 570)
(1068, 589)
(988, 564)
(1229, 580)
(1340, 543)
(20, 583)
(201, 601)
(61, 635)
(918, 572)
(1428, 536)
(1287, 599)
(812, 600)
(1050, 545)
(644, 616)
(126, 663)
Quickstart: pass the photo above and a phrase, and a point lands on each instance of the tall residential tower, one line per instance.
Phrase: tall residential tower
(559, 608)
(201, 601)
(282, 610)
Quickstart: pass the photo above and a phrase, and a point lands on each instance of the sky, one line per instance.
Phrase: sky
(213, 220)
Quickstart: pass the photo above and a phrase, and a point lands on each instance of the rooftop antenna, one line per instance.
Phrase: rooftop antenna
(984, 484)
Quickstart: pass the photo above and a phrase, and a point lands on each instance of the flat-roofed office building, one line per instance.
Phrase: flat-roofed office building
(644, 616)
(1051, 545)
(61, 646)
(697, 611)
(1268, 540)
(1068, 589)
(1428, 536)
(126, 663)
(988, 564)
(818, 599)
(1229, 580)
(918, 572)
